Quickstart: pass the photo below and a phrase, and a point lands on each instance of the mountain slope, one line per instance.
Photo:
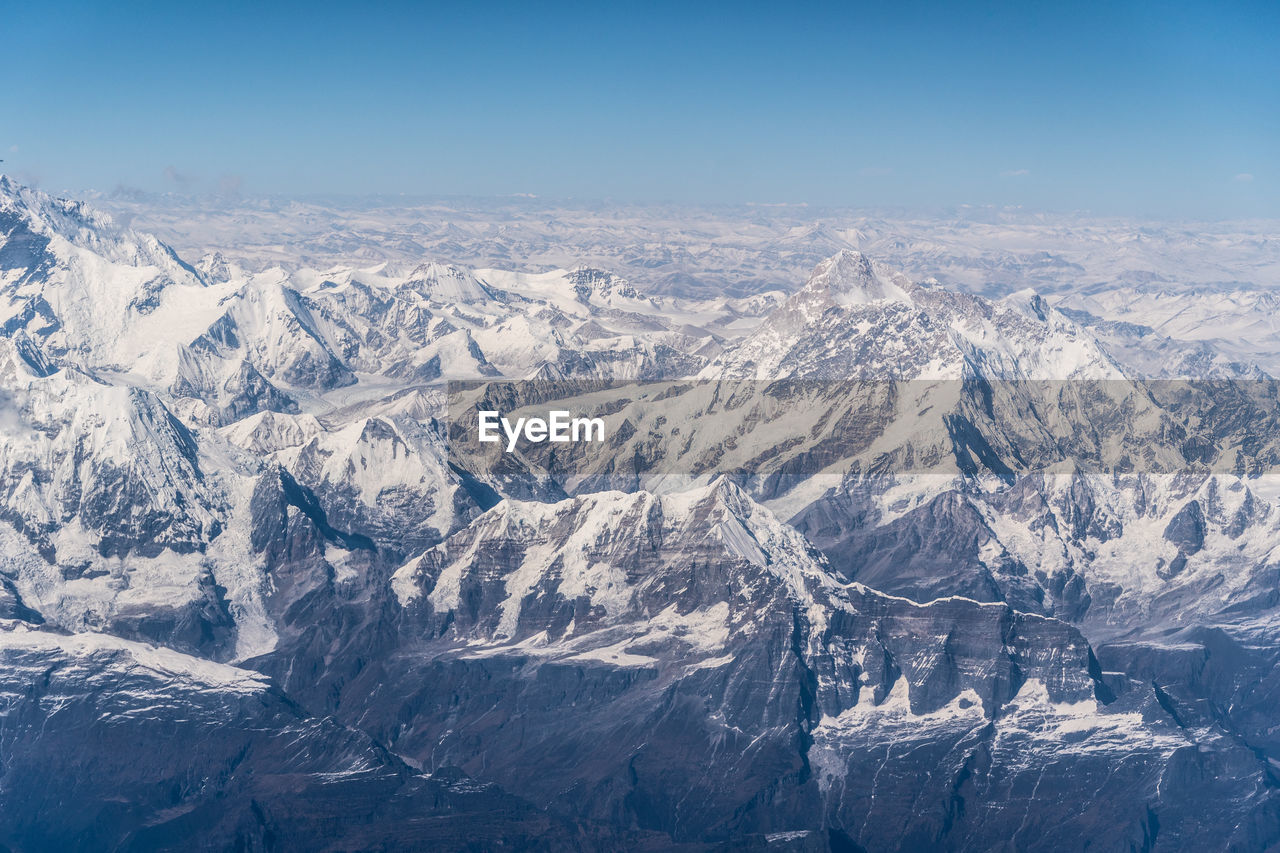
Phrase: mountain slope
(662, 634)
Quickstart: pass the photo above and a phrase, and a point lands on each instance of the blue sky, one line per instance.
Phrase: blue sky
(1168, 110)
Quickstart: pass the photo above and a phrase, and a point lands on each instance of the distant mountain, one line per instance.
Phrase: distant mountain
(856, 319)
(1224, 331)
(700, 252)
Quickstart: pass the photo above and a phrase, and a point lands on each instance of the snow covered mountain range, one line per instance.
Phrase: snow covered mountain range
(249, 595)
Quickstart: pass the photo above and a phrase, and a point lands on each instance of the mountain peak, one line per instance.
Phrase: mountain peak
(35, 223)
(449, 283)
(74, 221)
(851, 278)
(588, 281)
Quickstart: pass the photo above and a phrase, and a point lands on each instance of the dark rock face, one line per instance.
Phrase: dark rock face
(155, 756)
(13, 607)
(903, 556)
(245, 392)
(21, 249)
(1186, 529)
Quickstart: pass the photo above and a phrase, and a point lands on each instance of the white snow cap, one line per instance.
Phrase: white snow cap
(851, 278)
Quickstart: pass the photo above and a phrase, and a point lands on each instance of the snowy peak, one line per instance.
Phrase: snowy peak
(588, 282)
(857, 319)
(36, 227)
(607, 559)
(709, 579)
(75, 221)
(448, 283)
(851, 278)
(83, 290)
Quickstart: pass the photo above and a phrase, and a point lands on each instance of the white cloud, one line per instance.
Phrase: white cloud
(11, 419)
(13, 149)
(1243, 178)
(1015, 173)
